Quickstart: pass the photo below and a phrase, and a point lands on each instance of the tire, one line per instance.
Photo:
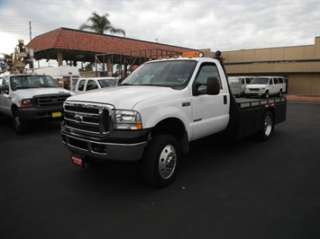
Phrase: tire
(267, 95)
(267, 127)
(19, 125)
(280, 92)
(158, 167)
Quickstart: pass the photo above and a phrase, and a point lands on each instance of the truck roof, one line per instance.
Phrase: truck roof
(198, 59)
(25, 74)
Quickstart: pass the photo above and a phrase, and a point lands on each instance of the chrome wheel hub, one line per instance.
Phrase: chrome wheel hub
(167, 161)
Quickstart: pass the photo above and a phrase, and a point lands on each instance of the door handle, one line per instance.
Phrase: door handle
(225, 99)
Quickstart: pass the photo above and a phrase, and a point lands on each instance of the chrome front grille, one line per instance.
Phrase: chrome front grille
(51, 100)
(87, 118)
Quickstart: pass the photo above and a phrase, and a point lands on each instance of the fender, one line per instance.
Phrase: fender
(156, 116)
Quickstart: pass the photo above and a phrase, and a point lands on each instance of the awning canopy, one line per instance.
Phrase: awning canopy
(76, 45)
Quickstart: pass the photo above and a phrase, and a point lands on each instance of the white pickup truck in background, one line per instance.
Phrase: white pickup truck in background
(26, 97)
(93, 83)
(157, 111)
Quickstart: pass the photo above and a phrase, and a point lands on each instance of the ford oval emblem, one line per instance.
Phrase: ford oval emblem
(78, 118)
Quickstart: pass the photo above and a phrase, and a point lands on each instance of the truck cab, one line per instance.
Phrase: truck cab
(26, 97)
(157, 111)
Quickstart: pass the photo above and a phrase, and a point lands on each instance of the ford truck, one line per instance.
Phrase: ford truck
(156, 112)
(28, 97)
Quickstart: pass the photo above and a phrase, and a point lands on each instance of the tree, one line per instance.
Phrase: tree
(100, 24)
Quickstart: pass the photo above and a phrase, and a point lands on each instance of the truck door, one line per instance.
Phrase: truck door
(5, 98)
(276, 85)
(210, 112)
(272, 87)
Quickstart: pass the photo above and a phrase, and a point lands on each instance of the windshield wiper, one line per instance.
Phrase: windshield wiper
(22, 88)
(124, 84)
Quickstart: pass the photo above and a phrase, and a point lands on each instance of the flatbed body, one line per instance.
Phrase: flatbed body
(246, 114)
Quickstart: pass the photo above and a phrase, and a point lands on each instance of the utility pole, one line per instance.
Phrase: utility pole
(30, 31)
(30, 51)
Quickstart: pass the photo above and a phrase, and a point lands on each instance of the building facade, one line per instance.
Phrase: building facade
(300, 64)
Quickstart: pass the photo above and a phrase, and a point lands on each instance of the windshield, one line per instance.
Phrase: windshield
(32, 81)
(261, 81)
(107, 83)
(174, 74)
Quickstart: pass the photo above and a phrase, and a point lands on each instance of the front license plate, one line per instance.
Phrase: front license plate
(76, 160)
(56, 114)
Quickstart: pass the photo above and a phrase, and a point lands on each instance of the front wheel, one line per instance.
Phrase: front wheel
(159, 164)
(267, 95)
(18, 124)
(280, 92)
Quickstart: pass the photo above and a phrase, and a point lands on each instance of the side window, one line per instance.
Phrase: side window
(242, 81)
(206, 70)
(280, 80)
(270, 82)
(276, 80)
(91, 85)
(81, 85)
(247, 80)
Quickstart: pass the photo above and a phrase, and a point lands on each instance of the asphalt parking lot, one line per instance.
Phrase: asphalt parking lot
(248, 190)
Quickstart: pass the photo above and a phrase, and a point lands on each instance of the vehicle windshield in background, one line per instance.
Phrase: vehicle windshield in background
(234, 80)
(107, 83)
(261, 81)
(32, 81)
(175, 74)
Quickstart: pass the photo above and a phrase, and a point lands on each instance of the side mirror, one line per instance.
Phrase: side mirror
(213, 86)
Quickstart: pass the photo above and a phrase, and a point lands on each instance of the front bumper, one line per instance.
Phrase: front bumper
(255, 93)
(35, 113)
(128, 146)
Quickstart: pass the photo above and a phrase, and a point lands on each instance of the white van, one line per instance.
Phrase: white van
(238, 84)
(266, 86)
(92, 83)
(67, 76)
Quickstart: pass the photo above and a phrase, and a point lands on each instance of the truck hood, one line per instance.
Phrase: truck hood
(124, 97)
(255, 86)
(29, 93)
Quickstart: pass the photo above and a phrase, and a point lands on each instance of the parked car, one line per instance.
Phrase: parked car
(92, 83)
(30, 97)
(238, 84)
(157, 111)
(266, 86)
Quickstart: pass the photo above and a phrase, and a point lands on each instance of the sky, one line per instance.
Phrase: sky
(215, 24)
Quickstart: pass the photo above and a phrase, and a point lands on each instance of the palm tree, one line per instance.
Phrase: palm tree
(100, 24)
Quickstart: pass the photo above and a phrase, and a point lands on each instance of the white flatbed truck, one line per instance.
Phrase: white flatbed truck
(157, 111)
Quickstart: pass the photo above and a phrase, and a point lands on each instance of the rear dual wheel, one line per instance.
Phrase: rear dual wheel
(267, 127)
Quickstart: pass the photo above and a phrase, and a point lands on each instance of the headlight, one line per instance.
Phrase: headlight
(26, 103)
(127, 120)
